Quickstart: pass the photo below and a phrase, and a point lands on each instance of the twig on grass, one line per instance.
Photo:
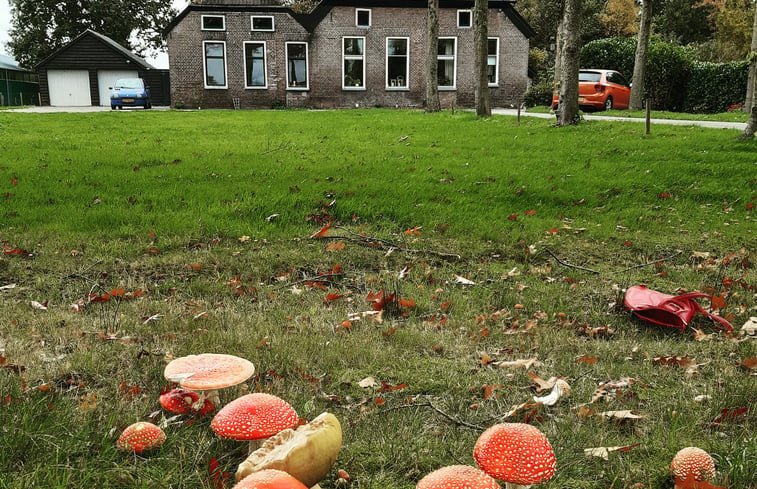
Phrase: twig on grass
(372, 241)
(443, 414)
(642, 265)
(569, 265)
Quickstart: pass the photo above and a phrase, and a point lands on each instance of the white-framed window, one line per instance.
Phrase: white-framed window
(213, 23)
(492, 61)
(353, 63)
(397, 63)
(363, 17)
(255, 65)
(214, 63)
(464, 19)
(447, 63)
(297, 65)
(261, 23)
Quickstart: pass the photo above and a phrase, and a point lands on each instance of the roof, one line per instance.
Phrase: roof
(8, 63)
(106, 40)
(311, 20)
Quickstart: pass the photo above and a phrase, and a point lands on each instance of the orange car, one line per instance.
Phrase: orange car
(600, 90)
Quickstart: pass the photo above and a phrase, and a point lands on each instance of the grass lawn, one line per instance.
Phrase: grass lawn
(735, 116)
(506, 247)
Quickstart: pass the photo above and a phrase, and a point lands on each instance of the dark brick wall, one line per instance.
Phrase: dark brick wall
(185, 52)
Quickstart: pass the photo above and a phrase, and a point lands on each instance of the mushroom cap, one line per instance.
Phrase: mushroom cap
(141, 436)
(516, 453)
(693, 461)
(270, 479)
(457, 477)
(208, 371)
(181, 401)
(178, 401)
(253, 416)
(307, 453)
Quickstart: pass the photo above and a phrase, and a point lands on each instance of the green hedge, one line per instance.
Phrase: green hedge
(714, 87)
(673, 80)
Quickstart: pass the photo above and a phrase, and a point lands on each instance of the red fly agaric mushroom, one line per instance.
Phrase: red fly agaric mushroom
(307, 453)
(692, 463)
(141, 436)
(457, 477)
(270, 479)
(207, 373)
(516, 453)
(253, 417)
(180, 401)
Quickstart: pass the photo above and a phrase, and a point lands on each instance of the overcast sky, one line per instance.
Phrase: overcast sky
(160, 61)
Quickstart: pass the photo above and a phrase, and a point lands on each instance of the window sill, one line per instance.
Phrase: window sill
(494, 85)
(256, 88)
(447, 89)
(397, 89)
(353, 89)
(225, 87)
(297, 89)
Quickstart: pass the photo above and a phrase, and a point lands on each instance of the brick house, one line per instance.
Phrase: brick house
(344, 53)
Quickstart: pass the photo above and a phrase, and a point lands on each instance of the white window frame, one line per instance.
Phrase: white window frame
(407, 65)
(202, 23)
(370, 17)
(252, 23)
(454, 65)
(307, 66)
(205, 67)
(470, 13)
(265, 65)
(346, 57)
(496, 64)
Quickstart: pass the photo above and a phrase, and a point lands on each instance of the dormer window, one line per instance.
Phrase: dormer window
(213, 23)
(464, 19)
(262, 23)
(363, 17)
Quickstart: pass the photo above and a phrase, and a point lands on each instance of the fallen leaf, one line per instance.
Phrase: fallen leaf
(526, 363)
(621, 415)
(323, 231)
(40, 307)
(8, 287)
(463, 281)
(542, 384)
(368, 382)
(560, 389)
(587, 359)
(244, 239)
(750, 327)
(604, 452)
(336, 246)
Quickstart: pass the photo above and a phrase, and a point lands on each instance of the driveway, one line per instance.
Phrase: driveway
(46, 109)
(673, 122)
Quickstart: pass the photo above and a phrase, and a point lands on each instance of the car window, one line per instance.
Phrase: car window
(129, 83)
(588, 76)
(617, 78)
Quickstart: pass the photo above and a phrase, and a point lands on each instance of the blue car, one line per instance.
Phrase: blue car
(130, 92)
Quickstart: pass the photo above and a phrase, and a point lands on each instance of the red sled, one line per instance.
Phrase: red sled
(675, 311)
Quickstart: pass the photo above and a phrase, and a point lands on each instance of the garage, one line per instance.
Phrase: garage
(80, 72)
(105, 80)
(69, 87)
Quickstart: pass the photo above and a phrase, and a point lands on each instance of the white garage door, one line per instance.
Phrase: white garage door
(69, 87)
(105, 79)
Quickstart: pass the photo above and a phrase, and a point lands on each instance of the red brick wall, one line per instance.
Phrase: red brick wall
(185, 52)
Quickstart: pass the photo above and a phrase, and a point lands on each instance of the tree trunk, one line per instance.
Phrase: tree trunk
(751, 125)
(750, 95)
(640, 62)
(432, 34)
(567, 113)
(481, 55)
(558, 53)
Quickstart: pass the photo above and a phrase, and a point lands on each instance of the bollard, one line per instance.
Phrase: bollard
(646, 120)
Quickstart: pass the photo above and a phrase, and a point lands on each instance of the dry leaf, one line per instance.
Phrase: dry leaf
(621, 415)
(368, 382)
(40, 307)
(335, 246)
(463, 281)
(561, 389)
(526, 363)
(271, 217)
(542, 384)
(8, 287)
(244, 239)
(604, 452)
(750, 327)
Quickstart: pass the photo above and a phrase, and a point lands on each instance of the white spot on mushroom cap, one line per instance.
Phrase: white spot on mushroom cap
(253, 416)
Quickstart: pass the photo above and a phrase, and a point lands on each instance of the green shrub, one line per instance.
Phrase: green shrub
(714, 87)
(540, 93)
(615, 53)
(667, 75)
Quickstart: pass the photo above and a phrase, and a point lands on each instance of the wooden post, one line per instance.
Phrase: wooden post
(519, 113)
(646, 119)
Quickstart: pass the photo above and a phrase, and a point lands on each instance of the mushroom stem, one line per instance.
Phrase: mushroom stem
(510, 485)
(255, 444)
(316, 487)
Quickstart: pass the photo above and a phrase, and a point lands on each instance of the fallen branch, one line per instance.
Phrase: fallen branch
(642, 265)
(372, 241)
(569, 265)
(448, 417)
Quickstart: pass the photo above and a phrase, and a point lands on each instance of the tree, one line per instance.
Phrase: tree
(40, 27)
(640, 61)
(481, 57)
(751, 125)
(570, 55)
(619, 18)
(432, 64)
(685, 21)
(733, 34)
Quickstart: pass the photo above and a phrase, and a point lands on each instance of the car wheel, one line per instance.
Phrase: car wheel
(112, 107)
(608, 103)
